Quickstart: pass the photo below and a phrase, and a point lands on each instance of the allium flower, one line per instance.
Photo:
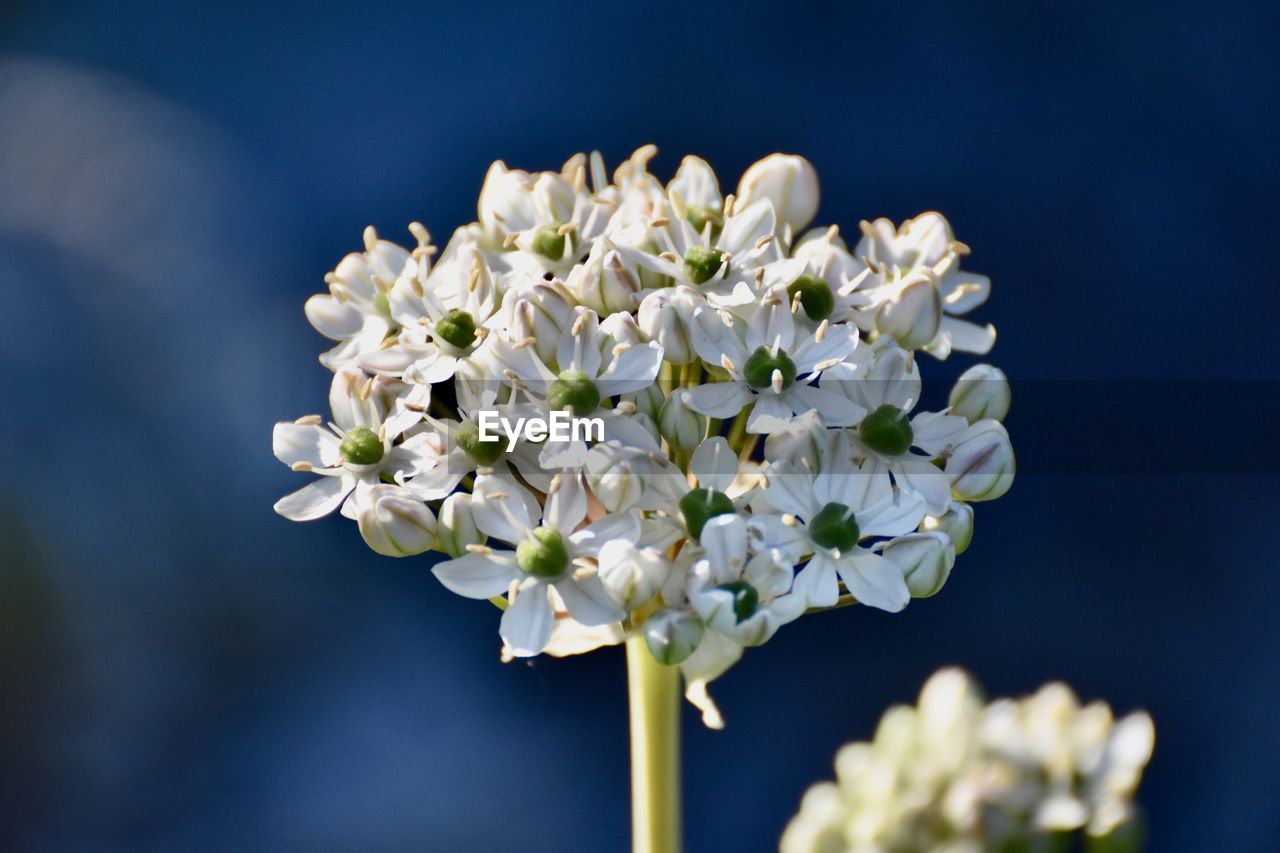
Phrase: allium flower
(955, 775)
(770, 366)
(351, 455)
(356, 311)
(549, 556)
(687, 323)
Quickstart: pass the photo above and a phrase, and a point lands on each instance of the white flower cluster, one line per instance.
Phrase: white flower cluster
(691, 325)
(953, 775)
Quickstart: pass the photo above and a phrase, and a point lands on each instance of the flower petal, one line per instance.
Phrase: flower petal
(588, 601)
(314, 500)
(293, 443)
(719, 399)
(478, 575)
(527, 622)
(874, 580)
(714, 464)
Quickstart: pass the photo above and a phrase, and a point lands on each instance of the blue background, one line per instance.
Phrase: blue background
(180, 669)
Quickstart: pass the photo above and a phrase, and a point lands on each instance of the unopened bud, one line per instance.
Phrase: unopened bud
(605, 283)
(681, 426)
(395, 523)
(925, 559)
(789, 182)
(543, 312)
(666, 316)
(614, 475)
(982, 391)
(981, 465)
(456, 527)
(956, 522)
(673, 635)
(913, 315)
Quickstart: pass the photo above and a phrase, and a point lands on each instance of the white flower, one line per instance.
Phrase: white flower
(887, 436)
(770, 367)
(589, 368)
(722, 266)
(355, 311)
(926, 244)
(829, 510)
(547, 555)
(739, 594)
(351, 455)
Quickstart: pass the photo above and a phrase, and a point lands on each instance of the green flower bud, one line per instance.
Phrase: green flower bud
(457, 328)
(887, 430)
(574, 390)
(673, 635)
(543, 553)
(834, 526)
(763, 362)
(701, 505)
(702, 263)
(361, 446)
(699, 216)
(745, 599)
(483, 452)
(815, 296)
(549, 242)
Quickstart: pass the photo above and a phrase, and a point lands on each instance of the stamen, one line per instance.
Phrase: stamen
(776, 381)
(420, 233)
(308, 420)
(370, 238)
(821, 332)
(566, 228)
(479, 549)
(302, 465)
(659, 222)
(510, 239)
(727, 363)
(764, 241)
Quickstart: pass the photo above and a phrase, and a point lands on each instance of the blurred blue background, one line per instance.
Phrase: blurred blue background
(180, 669)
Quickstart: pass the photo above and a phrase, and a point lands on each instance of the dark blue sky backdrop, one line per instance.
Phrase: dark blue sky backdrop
(180, 669)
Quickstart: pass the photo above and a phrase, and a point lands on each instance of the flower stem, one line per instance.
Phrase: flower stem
(654, 691)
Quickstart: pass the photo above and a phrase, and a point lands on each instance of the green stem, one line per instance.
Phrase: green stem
(654, 691)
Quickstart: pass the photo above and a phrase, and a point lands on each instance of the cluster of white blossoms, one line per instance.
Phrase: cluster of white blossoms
(759, 452)
(954, 775)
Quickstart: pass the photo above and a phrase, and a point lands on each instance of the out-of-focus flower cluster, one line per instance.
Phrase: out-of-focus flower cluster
(759, 451)
(955, 775)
